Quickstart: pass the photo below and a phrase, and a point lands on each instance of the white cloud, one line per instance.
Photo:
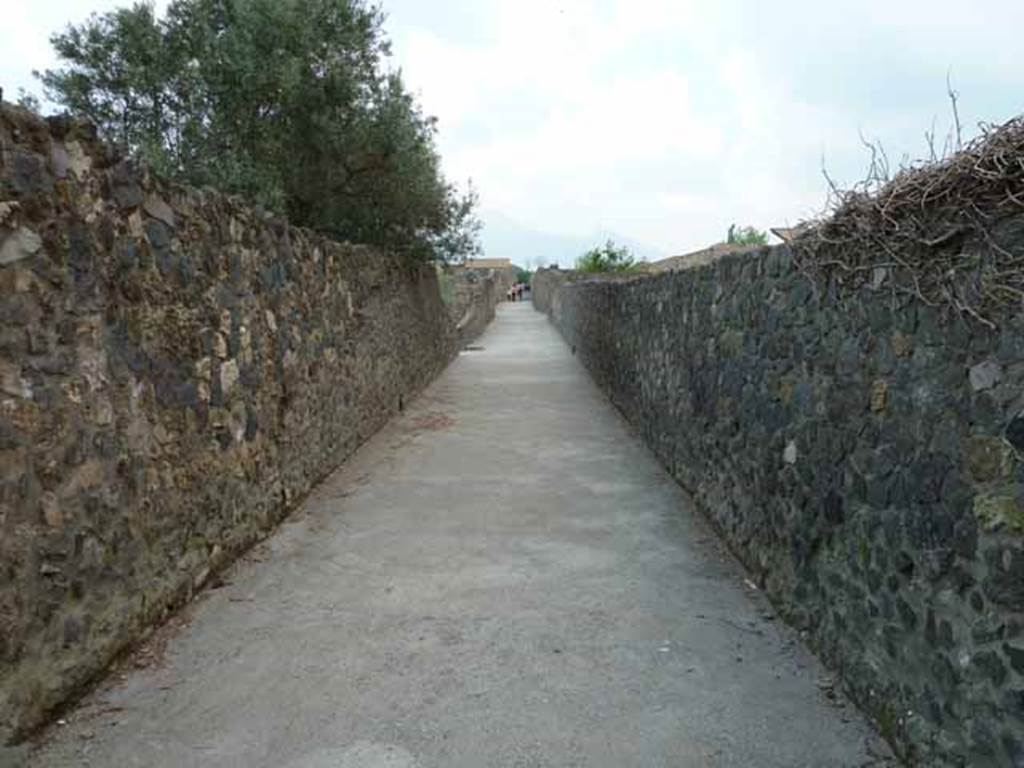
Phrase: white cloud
(25, 36)
(669, 120)
(609, 144)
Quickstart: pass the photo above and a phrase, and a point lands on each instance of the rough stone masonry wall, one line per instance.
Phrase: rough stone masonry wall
(864, 461)
(176, 370)
(474, 300)
(545, 287)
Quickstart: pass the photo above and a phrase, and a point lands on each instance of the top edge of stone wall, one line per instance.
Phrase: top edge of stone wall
(75, 149)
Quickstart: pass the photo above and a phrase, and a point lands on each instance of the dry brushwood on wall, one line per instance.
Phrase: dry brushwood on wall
(929, 231)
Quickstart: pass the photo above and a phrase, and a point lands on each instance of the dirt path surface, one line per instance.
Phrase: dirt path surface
(504, 576)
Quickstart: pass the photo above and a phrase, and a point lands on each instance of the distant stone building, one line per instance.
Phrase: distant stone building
(716, 251)
(697, 258)
(502, 270)
(488, 263)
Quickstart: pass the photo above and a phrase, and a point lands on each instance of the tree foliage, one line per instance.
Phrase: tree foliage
(746, 236)
(606, 258)
(28, 100)
(287, 102)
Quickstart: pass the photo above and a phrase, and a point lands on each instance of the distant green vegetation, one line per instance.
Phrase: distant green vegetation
(286, 102)
(523, 275)
(607, 258)
(746, 236)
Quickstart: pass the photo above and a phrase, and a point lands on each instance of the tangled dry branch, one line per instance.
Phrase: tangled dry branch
(933, 230)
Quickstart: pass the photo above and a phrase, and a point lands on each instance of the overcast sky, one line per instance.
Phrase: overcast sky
(666, 120)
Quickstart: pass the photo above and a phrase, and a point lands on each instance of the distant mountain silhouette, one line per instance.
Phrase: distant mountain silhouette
(503, 237)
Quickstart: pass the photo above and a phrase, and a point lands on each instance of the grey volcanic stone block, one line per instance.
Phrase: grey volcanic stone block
(985, 375)
(20, 244)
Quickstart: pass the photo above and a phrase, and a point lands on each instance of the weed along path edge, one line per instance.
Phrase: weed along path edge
(504, 576)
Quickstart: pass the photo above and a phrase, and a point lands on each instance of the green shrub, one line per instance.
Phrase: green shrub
(606, 258)
(746, 236)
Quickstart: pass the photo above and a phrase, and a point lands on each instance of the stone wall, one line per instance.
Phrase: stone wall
(176, 371)
(861, 454)
(545, 285)
(504, 279)
(472, 302)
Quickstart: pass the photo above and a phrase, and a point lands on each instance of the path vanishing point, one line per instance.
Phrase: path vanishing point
(504, 576)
